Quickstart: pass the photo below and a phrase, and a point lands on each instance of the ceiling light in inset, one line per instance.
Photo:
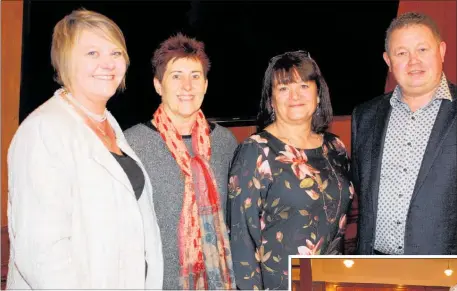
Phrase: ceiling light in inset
(448, 271)
(348, 263)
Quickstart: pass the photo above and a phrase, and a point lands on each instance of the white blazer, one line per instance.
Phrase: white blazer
(73, 219)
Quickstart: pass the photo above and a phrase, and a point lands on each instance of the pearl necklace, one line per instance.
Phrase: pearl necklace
(95, 117)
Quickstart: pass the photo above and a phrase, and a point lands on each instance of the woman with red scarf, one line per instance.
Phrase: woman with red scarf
(187, 159)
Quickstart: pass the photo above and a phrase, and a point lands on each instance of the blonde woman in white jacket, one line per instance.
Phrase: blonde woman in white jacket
(80, 212)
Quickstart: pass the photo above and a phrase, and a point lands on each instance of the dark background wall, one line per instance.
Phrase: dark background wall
(345, 38)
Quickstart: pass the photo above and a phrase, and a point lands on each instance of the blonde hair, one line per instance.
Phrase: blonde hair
(66, 32)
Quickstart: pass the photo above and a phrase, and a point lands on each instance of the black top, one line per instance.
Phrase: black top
(152, 126)
(136, 177)
(133, 171)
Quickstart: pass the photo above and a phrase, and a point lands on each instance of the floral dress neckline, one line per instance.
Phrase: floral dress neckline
(316, 149)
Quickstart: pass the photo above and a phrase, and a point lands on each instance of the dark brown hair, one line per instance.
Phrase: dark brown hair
(284, 69)
(178, 47)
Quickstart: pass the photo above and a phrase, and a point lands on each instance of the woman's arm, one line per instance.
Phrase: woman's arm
(350, 234)
(354, 175)
(244, 208)
(39, 210)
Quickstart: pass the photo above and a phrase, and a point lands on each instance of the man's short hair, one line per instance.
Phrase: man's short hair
(408, 19)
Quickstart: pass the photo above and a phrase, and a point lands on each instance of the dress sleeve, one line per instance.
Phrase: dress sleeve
(39, 210)
(350, 235)
(249, 178)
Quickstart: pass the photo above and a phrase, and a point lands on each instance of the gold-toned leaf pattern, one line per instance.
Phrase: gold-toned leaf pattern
(324, 185)
(266, 257)
(284, 201)
(268, 269)
(284, 214)
(304, 212)
(257, 255)
(256, 182)
(313, 236)
(313, 194)
(306, 183)
(275, 202)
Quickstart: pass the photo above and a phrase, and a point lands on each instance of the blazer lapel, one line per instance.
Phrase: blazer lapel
(445, 118)
(95, 148)
(125, 147)
(379, 134)
(103, 157)
(121, 141)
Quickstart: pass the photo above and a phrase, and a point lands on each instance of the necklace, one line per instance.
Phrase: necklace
(332, 219)
(289, 142)
(95, 117)
(104, 135)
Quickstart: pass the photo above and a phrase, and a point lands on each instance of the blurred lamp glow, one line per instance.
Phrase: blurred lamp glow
(448, 272)
(348, 263)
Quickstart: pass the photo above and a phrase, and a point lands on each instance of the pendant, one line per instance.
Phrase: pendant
(108, 141)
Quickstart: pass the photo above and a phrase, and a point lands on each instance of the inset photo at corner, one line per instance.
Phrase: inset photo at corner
(373, 274)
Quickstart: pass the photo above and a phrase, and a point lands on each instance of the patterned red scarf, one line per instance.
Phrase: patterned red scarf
(203, 242)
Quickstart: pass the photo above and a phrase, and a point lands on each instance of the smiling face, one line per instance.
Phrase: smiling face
(415, 58)
(295, 102)
(182, 88)
(98, 67)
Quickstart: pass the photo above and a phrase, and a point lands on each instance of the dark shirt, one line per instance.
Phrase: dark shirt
(136, 177)
(133, 172)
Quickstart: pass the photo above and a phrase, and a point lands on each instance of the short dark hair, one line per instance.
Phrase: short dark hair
(178, 47)
(283, 69)
(411, 18)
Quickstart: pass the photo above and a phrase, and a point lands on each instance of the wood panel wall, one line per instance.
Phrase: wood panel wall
(11, 28)
(11, 78)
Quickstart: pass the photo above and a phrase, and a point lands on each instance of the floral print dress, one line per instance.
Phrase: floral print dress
(285, 201)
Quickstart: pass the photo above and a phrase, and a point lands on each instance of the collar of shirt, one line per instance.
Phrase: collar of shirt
(442, 92)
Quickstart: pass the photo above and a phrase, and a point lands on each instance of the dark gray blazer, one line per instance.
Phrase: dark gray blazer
(431, 224)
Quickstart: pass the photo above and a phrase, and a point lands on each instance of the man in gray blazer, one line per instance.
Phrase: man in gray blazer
(404, 149)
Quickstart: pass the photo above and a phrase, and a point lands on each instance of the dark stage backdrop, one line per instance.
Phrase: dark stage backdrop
(345, 38)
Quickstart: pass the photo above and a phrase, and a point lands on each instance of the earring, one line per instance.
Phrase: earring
(318, 110)
(273, 114)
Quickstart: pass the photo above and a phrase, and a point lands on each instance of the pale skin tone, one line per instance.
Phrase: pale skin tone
(294, 105)
(415, 58)
(182, 89)
(98, 68)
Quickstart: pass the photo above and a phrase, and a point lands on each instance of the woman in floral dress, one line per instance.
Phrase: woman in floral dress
(289, 191)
